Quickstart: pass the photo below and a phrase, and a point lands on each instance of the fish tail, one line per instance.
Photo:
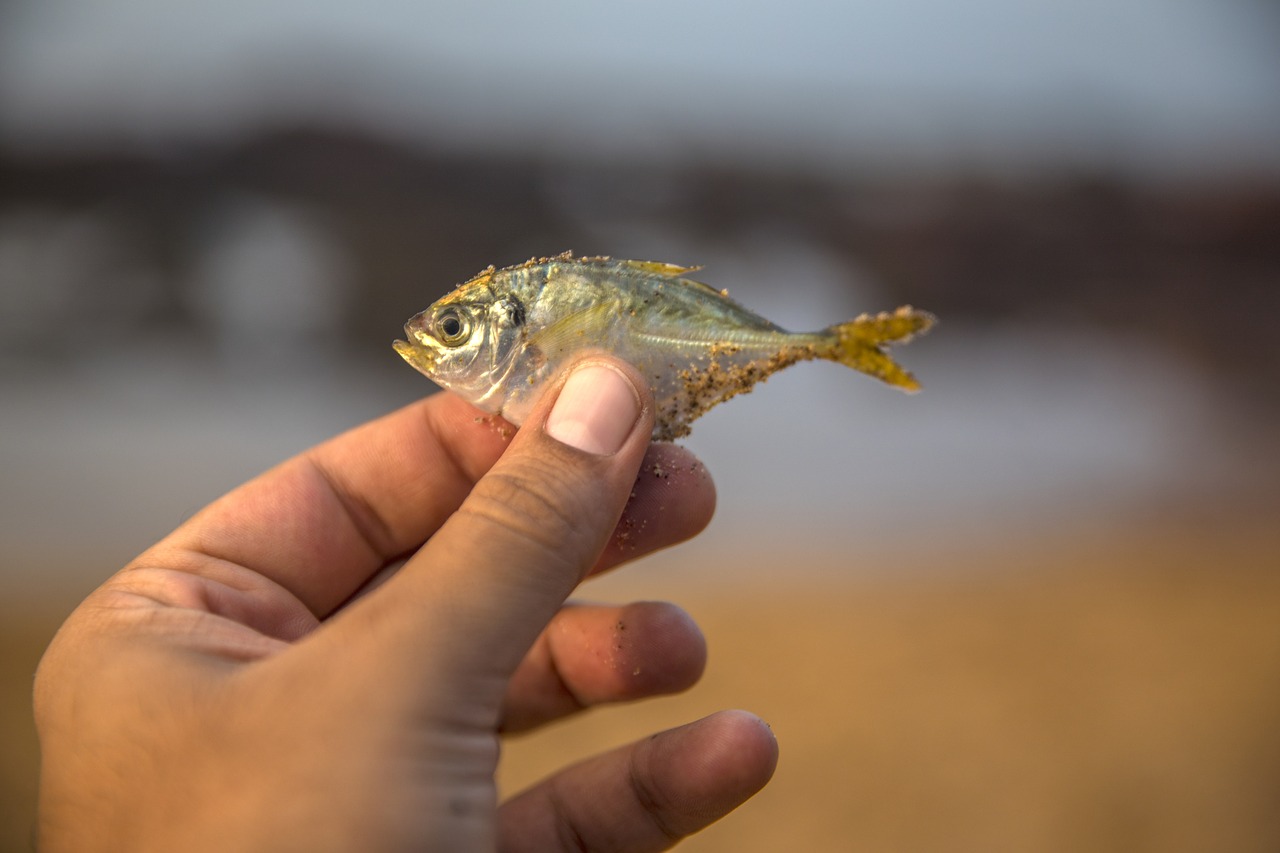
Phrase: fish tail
(862, 343)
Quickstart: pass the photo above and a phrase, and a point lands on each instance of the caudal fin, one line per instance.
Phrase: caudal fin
(862, 343)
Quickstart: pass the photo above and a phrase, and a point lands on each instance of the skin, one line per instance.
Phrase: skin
(260, 680)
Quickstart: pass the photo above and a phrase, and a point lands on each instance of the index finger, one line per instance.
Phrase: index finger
(322, 523)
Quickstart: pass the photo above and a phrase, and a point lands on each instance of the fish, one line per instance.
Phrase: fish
(501, 336)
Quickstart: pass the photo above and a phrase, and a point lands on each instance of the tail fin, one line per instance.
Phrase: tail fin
(861, 343)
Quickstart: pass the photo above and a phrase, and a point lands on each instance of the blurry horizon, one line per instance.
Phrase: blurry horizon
(171, 328)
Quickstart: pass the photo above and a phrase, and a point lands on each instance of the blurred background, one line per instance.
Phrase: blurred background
(1035, 607)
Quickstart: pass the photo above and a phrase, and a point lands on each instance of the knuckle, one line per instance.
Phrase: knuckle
(534, 501)
(656, 807)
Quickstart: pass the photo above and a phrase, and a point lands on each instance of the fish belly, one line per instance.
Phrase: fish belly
(690, 379)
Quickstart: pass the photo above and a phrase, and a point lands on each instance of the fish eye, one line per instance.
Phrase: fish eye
(452, 326)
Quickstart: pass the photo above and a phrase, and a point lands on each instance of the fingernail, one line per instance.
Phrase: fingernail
(596, 410)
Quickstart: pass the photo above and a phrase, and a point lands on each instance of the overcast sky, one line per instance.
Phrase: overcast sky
(1142, 81)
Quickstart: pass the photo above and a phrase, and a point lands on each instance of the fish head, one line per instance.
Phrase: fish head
(467, 341)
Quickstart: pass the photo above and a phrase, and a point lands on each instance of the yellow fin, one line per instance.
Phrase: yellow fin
(861, 343)
(659, 268)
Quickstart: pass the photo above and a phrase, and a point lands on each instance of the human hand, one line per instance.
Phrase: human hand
(245, 685)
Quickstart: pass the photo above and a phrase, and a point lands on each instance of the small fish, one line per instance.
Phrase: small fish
(499, 337)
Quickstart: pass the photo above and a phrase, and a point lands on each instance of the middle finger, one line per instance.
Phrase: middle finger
(593, 654)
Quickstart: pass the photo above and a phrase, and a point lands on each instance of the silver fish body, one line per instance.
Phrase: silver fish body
(499, 337)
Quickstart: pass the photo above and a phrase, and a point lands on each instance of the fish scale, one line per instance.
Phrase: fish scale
(499, 337)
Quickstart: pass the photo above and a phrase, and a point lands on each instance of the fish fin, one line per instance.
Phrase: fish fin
(861, 343)
(575, 330)
(659, 268)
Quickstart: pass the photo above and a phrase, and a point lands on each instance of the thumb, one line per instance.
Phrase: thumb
(471, 602)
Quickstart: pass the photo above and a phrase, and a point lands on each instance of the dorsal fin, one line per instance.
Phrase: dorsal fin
(673, 271)
(659, 268)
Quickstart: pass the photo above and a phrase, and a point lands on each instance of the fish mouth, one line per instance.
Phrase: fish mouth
(423, 359)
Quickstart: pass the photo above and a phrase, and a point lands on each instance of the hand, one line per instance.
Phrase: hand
(246, 684)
